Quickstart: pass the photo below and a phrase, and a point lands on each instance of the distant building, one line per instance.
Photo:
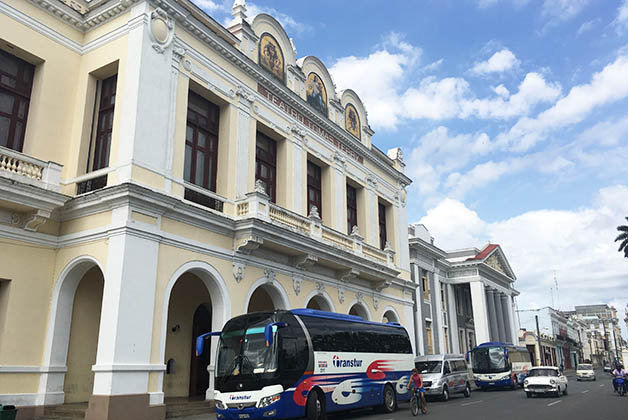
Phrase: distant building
(463, 297)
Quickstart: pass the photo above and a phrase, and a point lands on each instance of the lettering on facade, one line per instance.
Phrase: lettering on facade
(307, 122)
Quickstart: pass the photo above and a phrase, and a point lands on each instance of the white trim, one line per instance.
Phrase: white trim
(361, 304)
(322, 294)
(33, 369)
(276, 291)
(123, 367)
(394, 311)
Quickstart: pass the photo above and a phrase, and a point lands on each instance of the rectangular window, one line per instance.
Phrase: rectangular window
(430, 340)
(443, 299)
(382, 225)
(201, 142)
(352, 209)
(266, 164)
(314, 191)
(104, 123)
(426, 287)
(16, 82)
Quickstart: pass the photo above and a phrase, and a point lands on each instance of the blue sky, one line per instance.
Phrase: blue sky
(512, 116)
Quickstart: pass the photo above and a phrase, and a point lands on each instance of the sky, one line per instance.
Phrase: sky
(513, 120)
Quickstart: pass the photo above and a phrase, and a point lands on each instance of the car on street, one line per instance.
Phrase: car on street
(547, 380)
(607, 368)
(444, 375)
(585, 372)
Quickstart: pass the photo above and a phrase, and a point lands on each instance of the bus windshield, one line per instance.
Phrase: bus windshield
(243, 356)
(489, 360)
(433, 366)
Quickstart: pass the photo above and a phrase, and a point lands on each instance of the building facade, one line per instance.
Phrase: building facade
(463, 298)
(160, 174)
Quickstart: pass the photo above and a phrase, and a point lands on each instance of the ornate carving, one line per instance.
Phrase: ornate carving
(314, 213)
(160, 30)
(36, 219)
(260, 187)
(305, 261)
(341, 294)
(355, 233)
(239, 269)
(359, 296)
(381, 285)
(375, 302)
(371, 181)
(297, 131)
(388, 247)
(244, 95)
(297, 281)
(269, 273)
(250, 244)
(178, 53)
(349, 275)
(320, 286)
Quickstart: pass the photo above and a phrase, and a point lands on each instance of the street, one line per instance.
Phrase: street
(585, 400)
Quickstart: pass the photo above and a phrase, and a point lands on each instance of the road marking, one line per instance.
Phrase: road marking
(471, 403)
(585, 391)
(555, 402)
(601, 384)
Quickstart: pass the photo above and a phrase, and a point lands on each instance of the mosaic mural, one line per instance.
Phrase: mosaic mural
(316, 93)
(271, 56)
(352, 120)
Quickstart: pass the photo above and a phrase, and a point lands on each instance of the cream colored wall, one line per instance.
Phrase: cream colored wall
(79, 379)
(188, 293)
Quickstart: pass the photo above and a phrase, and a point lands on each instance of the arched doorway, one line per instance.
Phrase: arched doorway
(199, 376)
(73, 329)
(266, 295)
(360, 310)
(390, 316)
(189, 315)
(320, 302)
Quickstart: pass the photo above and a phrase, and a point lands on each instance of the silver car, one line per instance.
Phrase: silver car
(444, 374)
(585, 372)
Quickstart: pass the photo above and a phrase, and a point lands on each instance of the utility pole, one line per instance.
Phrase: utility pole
(538, 340)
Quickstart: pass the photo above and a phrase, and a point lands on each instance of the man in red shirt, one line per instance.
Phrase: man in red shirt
(417, 380)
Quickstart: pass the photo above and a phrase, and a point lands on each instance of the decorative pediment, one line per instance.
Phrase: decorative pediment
(497, 261)
(494, 262)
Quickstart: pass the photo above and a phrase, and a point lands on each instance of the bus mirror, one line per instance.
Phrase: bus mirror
(268, 332)
(200, 341)
(466, 357)
(506, 353)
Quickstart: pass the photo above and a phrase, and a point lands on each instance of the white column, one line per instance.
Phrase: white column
(418, 315)
(514, 322)
(244, 145)
(506, 316)
(372, 221)
(480, 312)
(492, 315)
(402, 248)
(453, 318)
(339, 205)
(126, 322)
(298, 183)
(499, 311)
(440, 322)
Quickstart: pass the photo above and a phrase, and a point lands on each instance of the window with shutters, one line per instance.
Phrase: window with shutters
(314, 192)
(352, 208)
(16, 82)
(266, 164)
(382, 225)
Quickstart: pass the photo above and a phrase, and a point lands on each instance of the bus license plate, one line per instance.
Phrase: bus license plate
(243, 416)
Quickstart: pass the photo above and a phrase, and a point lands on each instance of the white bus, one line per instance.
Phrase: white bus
(497, 364)
(303, 362)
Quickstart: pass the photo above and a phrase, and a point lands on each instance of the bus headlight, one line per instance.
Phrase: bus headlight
(220, 405)
(552, 382)
(266, 401)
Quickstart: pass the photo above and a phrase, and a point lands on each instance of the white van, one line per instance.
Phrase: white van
(444, 374)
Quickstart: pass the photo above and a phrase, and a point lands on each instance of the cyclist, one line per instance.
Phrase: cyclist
(417, 380)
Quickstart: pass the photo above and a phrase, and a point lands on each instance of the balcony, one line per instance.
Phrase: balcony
(30, 189)
(263, 224)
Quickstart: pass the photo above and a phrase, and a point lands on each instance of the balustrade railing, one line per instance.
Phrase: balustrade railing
(19, 166)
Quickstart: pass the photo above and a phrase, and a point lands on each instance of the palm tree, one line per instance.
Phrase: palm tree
(623, 237)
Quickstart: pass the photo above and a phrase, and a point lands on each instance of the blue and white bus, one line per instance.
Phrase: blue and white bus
(497, 364)
(304, 362)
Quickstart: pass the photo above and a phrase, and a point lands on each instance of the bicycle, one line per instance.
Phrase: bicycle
(416, 403)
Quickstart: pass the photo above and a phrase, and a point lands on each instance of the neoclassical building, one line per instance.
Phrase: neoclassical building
(161, 173)
(463, 297)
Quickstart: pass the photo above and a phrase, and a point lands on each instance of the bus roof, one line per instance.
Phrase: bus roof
(498, 344)
(343, 317)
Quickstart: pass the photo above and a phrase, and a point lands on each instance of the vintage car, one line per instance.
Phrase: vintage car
(585, 372)
(546, 380)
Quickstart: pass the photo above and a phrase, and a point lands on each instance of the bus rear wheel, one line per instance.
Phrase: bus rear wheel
(390, 402)
(314, 407)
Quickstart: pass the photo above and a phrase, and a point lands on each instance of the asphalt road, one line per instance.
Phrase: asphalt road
(585, 400)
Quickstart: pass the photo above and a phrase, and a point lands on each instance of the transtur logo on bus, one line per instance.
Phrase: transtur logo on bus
(338, 362)
(240, 397)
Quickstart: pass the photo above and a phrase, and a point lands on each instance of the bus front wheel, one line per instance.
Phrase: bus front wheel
(314, 408)
(390, 402)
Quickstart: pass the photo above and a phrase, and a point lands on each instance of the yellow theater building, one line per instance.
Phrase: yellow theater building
(160, 174)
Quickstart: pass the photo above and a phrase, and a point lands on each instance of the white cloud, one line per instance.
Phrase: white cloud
(210, 6)
(607, 86)
(621, 21)
(587, 26)
(606, 133)
(499, 62)
(578, 244)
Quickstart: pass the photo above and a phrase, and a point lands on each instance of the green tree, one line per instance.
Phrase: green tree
(623, 237)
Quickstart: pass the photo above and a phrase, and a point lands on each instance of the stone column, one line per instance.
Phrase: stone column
(480, 312)
(453, 318)
(372, 221)
(299, 170)
(507, 321)
(126, 328)
(339, 203)
(418, 315)
(499, 311)
(492, 315)
(243, 151)
(513, 319)
(440, 322)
